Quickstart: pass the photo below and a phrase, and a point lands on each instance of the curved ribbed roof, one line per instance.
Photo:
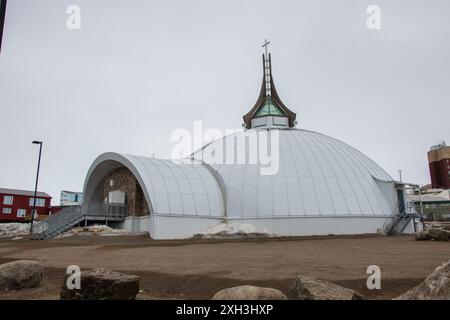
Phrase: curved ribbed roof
(169, 187)
(318, 175)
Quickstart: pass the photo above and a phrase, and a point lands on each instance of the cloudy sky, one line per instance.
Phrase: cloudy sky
(137, 70)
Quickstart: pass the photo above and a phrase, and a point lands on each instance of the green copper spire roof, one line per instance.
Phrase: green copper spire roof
(269, 108)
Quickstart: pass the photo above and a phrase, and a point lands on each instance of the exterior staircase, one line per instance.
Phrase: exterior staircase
(399, 220)
(72, 216)
(398, 224)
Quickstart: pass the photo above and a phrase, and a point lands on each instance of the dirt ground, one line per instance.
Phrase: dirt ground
(196, 269)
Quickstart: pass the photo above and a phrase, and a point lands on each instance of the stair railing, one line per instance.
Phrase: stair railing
(396, 216)
(69, 216)
(387, 226)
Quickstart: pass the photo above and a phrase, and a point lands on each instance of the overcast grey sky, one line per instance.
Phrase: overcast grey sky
(137, 70)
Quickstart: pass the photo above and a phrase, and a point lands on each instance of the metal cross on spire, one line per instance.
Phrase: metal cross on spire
(267, 68)
(265, 45)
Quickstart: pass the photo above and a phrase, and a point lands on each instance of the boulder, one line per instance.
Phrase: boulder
(20, 274)
(435, 287)
(249, 293)
(102, 284)
(307, 288)
(422, 235)
(438, 234)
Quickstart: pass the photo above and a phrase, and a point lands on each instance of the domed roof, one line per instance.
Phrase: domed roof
(318, 175)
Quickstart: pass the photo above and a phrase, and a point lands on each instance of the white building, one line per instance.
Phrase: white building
(321, 186)
(71, 198)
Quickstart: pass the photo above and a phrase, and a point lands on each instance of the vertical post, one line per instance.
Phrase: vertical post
(106, 213)
(35, 186)
(413, 209)
(2, 19)
(421, 208)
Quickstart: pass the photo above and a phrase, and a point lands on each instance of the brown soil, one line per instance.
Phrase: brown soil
(196, 269)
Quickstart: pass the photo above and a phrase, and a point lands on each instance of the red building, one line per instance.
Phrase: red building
(439, 163)
(16, 205)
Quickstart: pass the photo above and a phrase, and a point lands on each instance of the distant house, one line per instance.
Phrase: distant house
(434, 203)
(16, 205)
(71, 198)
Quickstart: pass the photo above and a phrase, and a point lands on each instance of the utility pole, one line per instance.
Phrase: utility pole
(35, 186)
(2, 20)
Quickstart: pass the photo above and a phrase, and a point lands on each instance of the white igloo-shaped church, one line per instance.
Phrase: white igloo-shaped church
(322, 185)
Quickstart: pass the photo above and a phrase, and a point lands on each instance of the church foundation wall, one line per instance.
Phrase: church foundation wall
(179, 227)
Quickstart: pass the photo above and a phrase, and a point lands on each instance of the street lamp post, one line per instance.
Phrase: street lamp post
(35, 186)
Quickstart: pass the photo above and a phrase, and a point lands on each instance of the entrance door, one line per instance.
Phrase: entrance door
(117, 197)
(401, 201)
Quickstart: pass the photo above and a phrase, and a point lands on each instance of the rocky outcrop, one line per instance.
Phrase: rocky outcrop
(20, 274)
(438, 234)
(307, 288)
(435, 287)
(422, 235)
(102, 284)
(249, 293)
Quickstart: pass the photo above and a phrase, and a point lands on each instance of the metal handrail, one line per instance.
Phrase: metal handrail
(70, 216)
(388, 224)
(396, 216)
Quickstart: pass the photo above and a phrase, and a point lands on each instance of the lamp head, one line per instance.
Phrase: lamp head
(37, 142)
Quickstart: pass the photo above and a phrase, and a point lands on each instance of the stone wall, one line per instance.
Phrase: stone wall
(121, 179)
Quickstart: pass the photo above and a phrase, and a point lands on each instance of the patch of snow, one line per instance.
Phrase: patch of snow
(233, 229)
(10, 230)
(63, 235)
(98, 229)
(102, 229)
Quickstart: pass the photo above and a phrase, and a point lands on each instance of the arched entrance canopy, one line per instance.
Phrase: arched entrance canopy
(169, 187)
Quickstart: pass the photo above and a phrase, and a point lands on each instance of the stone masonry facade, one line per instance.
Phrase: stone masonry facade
(121, 179)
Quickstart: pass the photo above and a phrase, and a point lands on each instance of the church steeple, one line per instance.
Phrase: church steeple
(269, 111)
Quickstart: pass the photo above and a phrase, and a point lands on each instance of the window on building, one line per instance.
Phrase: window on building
(269, 108)
(6, 210)
(39, 202)
(8, 200)
(21, 213)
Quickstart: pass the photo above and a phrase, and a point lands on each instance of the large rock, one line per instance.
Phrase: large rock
(20, 274)
(307, 288)
(435, 287)
(422, 235)
(102, 284)
(438, 234)
(249, 293)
